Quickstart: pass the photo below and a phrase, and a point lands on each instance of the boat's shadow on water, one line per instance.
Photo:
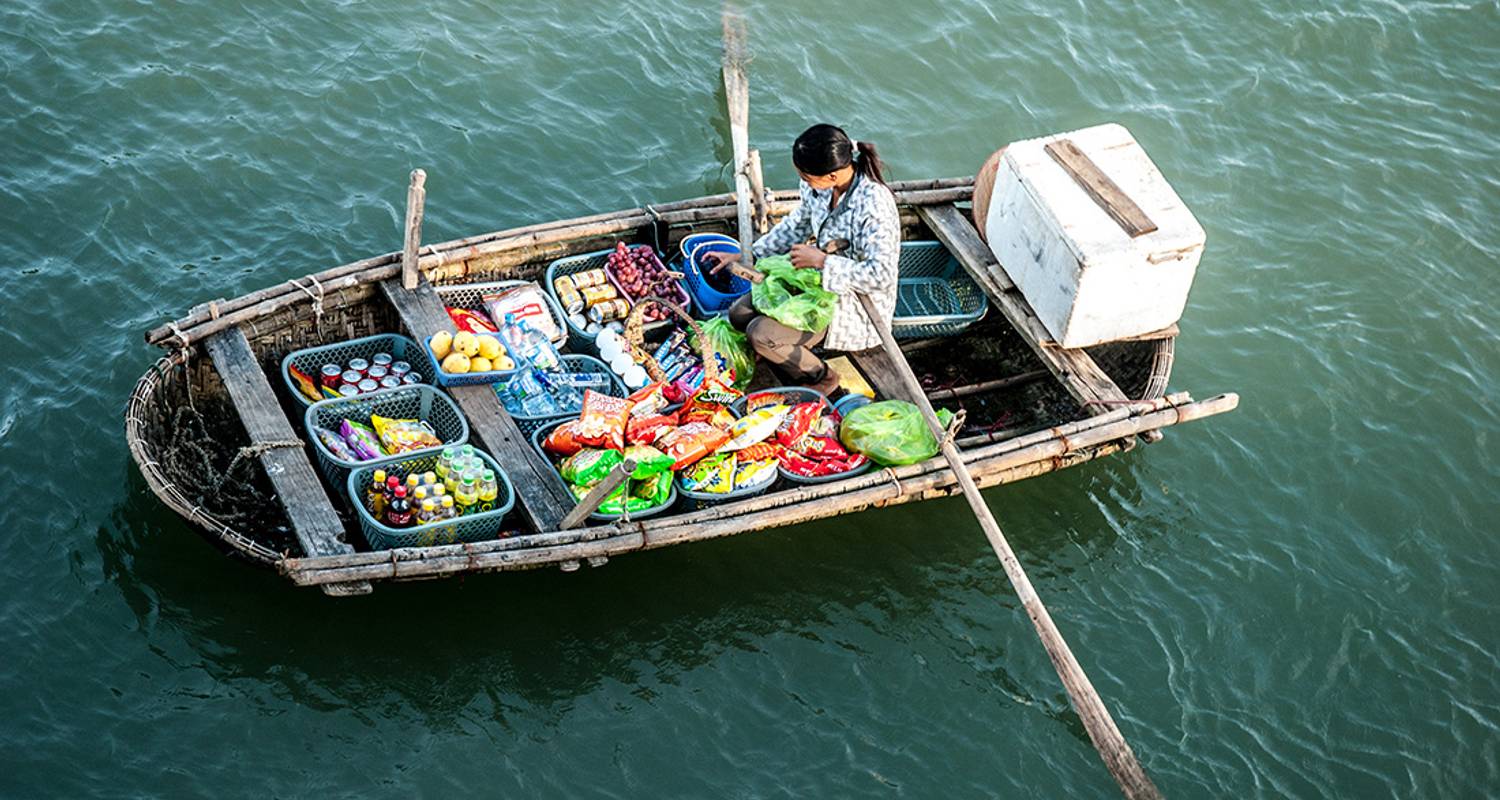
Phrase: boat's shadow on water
(542, 639)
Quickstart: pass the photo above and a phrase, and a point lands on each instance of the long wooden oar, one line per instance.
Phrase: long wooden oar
(1107, 739)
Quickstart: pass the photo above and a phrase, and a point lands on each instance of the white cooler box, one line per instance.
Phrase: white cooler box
(1100, 266)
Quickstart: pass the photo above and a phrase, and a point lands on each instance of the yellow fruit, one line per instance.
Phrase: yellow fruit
(489, 346)
(466, 343)
(479, 364)
(456, 363)
(504, 362)
(442, 344)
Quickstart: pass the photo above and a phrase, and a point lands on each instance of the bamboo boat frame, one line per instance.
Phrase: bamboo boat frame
(307, 304)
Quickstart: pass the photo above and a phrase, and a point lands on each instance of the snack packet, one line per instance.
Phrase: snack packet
(835, 466)
(648, 461)
(712, 475)
(527, 301)
(602, 423)
(754, 474)
(655, 489)
(648, 400)
(691, 442)
(797, 423)
(755, 427)
(820, 447)
(756, 400)
(647, 430)
(588, 467)
(617, 502)
(336, 445)
(764, 451)
(404, 435)
(471, 321)
(563, 441)
(361, 440)
(305, 384)
(711, 404)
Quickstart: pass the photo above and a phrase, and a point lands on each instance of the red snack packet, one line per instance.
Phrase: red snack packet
(711, 403)
(603, 421)
(758, 452)
(648, 400)
(760, 399)
(836, 466)
(691, 442)
(797, 423)
(797, 464)
(471, 321)
(309, 387)
(646, 430)
(820, 447)
(563, 440)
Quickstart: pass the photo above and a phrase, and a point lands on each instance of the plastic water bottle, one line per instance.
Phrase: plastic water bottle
(529, 344)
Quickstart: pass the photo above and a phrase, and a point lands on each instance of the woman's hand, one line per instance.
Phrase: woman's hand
(805, 256)
(715, 261)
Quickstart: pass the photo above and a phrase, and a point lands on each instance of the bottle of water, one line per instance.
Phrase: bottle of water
(529, 344)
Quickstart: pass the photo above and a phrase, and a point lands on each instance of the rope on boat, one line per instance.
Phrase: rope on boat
(317, 299)
(188, 462)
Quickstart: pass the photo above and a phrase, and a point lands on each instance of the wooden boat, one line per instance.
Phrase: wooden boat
(215, 442)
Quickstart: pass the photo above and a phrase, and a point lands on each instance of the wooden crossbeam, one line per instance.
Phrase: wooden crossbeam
(1104, 191)
(1075, 368)
(314, 522)
(541, 496)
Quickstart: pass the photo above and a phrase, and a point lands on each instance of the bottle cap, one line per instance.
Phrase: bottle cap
(380, 476)
(400, 491)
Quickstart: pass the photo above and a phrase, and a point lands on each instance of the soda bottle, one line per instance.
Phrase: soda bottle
(418, 496)
(429, 513)
(429, 478)
(445, 462)
(467, 496)
(446, 509)
(375, 495)
(412, 482)
(399, 514)
(489, 491)
(391, 483)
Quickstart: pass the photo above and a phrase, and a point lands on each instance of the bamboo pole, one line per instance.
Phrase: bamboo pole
(416, 199)
(598, 495)
(1106, 736)
(737, 96)
(988, 386)
(758, 194)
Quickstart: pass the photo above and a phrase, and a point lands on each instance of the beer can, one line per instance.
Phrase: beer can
(332, 375)
(592, 277)
(609, 310)
(381, 360)
(568, 295)
(352, 377)
(359, 365)
(594, 295)
(400, 368)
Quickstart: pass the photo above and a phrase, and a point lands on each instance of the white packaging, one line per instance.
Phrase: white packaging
(1086, 277)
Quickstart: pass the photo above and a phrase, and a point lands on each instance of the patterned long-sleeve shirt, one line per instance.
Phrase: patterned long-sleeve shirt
(866, 216)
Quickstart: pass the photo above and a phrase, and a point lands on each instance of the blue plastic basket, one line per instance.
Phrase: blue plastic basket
(478, 527)
(934, 296)
(543, 431)
(471, 296)
(692, 240)
(706, 298)
(442, 378)
(311, 359)
(408, 402)
(572, 362)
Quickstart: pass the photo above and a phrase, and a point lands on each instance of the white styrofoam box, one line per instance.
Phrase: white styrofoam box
(1087, 279)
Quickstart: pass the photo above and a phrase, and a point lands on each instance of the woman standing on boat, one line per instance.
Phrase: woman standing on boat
(844, 200)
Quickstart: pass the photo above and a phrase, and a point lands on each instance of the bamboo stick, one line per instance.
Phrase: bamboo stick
(988, 386)
(416, 198)
(758, 194)
(598, 495)
(1106, 736)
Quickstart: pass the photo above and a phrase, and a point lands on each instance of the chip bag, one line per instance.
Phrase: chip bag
(648, 461)
(754, 474)
(691, 442)
(647, 430)
(602, 423)
(755, 427)
(765, 451)
(820, 447)
(756, 400)
(618, 502)
(336, 445)
(712, 475)
(309, 388)
(648, 401)
(563, 440)
(361, 440)
(711, 403)
(404, 435)
(587, 467)
(798, 422)
(655, 489)
(471, 321)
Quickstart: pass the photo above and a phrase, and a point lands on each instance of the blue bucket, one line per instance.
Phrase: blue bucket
(708, 299)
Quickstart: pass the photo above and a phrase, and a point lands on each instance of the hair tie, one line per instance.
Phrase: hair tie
(854, 146)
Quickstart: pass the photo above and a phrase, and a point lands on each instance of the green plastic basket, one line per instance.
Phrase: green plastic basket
(312, 359)
(934, 295)
(477, 527)
(408, 402)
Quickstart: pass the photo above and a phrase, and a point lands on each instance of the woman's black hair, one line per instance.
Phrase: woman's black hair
(822, 149)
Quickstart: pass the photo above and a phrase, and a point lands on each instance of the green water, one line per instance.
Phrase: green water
(1298, 599)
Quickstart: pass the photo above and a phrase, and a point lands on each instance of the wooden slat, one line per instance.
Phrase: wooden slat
(1084, 380)
(315, 523)
(1100, 187)
(542, 498)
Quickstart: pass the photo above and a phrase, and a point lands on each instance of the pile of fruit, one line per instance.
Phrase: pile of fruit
(640, 274)
(464, 352)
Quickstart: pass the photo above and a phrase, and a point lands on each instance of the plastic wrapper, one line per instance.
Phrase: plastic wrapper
(562, 441)
(765, 451)
(712, 475)
(754, 474)
(468, 321)
(891, 432)
(527, 301)
(655, 489)
(336, 445)
(361, 440)
(756, 400)
(690, 442)
(403, 435)
(794, 297)
(309, 388)
(588, 467)
(647, 430)
(838, 466)
(648, 400)
(603, 421)
(798, 422)
(755, 427)
(731, 347)
(710, 404)
(820, 447)
(648, 461)
(618, 502)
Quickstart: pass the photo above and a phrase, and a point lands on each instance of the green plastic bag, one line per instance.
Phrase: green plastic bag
(732, 347)
(794, 297)
(891, 432)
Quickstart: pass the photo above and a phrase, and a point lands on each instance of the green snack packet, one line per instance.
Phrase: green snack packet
(654, 490)
(648, 461)
(587, 467)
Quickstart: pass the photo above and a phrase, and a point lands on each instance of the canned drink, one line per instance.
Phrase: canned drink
(377, 372)
(568, 296)
(592, 277)
(609, 310)
(348, 390)
(368, 385)
(400, 368)
(579, 320)
(411, 378)
(593, 295)
(359, 365)
(351, 377)
(390, 382)
(332, 375)
(381, 360)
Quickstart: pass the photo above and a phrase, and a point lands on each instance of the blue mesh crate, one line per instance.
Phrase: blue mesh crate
(471, 297)
(408, 402)
(571, 362)
(934, 296)
(477, 527)
(311, 359)
(541, 433)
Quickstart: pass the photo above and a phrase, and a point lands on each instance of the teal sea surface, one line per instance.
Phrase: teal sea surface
(1299, 599)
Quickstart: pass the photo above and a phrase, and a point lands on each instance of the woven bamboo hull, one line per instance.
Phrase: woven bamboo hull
(353, 305)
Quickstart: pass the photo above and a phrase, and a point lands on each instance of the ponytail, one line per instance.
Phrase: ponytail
(823, 149)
